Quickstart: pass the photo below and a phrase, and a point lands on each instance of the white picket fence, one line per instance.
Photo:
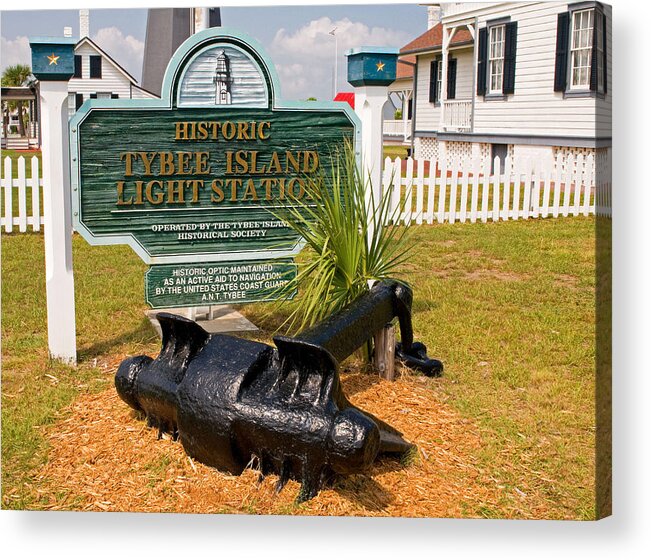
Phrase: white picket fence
(428, 192)
(569, 187)
(27, 214)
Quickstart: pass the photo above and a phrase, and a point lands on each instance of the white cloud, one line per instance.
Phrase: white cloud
(305, 59)
(126, 51)
(15, 52)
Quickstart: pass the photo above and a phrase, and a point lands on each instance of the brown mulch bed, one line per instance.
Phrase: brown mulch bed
(102, 457)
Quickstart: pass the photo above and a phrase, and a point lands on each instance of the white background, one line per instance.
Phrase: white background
(625, 535)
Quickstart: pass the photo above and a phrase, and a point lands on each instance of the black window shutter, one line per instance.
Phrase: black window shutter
(594, 77)
(79, 100)
(93, 96)
(605, 56)
(95, 66)
(510, 47)
(115, 96)
(452, 78)
(481, 61)
(433, 78)
(562, 47)
(77, 73)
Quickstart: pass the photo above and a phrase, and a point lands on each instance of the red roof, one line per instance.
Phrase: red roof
(433, 39)
(346, 97)
(405, 67)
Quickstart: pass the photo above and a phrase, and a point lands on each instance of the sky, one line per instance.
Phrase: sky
(296, 37)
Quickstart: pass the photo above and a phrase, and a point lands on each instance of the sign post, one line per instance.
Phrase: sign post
(196, 182)
(370, 71)
(53, 66)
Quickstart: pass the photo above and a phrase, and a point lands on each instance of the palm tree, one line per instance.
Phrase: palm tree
(16, 76)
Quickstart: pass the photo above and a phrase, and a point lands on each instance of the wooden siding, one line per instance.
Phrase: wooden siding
(112, 80)
(535, 108)
(465, 69)
(427, 114)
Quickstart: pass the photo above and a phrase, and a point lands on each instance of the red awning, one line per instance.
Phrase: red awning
(346, 96)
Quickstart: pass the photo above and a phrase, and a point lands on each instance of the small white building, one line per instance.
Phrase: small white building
(526, 79)
(97, 75)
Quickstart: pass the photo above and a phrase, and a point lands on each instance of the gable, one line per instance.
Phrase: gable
(87, 47)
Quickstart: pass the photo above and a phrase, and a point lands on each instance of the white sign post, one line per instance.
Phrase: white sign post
(50, 64)
(370, 71)
(369, 103)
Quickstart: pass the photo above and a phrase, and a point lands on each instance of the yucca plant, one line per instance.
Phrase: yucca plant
(350, 245)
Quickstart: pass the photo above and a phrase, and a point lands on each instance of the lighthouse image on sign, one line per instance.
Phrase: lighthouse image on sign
(223, 80)
(222, 76)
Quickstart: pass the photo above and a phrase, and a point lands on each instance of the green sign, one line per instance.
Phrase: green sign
(199, 175)
(175, 285)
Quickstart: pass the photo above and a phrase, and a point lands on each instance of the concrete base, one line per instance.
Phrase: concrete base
(225, 319)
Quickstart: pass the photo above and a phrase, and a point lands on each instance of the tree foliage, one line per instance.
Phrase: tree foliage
(16, 76)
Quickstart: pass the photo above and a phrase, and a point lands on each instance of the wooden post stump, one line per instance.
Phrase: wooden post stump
(384, 357)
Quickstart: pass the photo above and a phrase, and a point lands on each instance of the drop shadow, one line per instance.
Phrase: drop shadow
(144, 333)
(364, 491)
(387, 463)
(359, 382)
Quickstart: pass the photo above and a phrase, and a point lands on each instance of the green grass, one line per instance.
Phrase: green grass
(109, 304)
(394, 151)
(508, 307)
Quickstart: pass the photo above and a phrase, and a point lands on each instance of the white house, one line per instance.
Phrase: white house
(97, 75)
(512, 78)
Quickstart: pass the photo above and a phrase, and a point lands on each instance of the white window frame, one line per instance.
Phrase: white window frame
(439, 79)
(496, 44)
(72, 104)
(581, 26)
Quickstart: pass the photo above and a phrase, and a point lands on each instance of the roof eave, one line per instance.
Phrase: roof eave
(108, 56)
(436, 48)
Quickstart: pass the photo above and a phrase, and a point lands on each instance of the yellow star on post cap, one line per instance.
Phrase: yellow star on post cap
(53, 59)
(380, 66)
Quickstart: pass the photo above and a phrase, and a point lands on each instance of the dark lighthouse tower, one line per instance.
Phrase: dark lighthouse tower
(223, 80)
(167, 28)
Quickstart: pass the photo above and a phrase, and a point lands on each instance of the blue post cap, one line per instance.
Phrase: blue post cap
(372, 66)
(53, 58)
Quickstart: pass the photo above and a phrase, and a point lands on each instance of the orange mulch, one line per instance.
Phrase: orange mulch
(103, 457)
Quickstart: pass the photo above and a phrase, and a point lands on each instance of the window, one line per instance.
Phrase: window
(435, 81)
(439, 80)
(581, 53)
(77, 73)
(75, 100)
(581, 49)
(95, 66)
(103, 95)
(72, 108)
(496, 59)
